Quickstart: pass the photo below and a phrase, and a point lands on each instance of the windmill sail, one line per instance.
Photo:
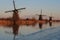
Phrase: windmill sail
(41, 11)
(14, 4)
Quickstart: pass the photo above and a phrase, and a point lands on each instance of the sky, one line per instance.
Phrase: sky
(33, 7)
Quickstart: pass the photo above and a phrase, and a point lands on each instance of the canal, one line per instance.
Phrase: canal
(7, 33)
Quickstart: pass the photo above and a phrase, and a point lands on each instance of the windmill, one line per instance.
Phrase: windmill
(40, 25)
(40, 16)
(50, 20)
(14, 19)
(15, 11)
(50, 17)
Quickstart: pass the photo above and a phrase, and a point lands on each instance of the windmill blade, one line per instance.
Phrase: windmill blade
(14, 4)
(9, 11)
(44, 15)
(37, 14)
(13, 10)
(51, 16)
(41, 11)
(21, 9)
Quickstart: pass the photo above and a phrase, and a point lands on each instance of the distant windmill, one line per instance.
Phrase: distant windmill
(40, 16)
(50, 20)
(50, 17)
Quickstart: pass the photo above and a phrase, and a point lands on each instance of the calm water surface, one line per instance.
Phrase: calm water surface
(7, 33)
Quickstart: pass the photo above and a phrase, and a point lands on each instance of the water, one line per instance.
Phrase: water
(7, 33)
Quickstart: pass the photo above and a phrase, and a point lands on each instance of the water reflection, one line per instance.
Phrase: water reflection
(15, 30)
(40, 25)
(28, 29)
(50, 24)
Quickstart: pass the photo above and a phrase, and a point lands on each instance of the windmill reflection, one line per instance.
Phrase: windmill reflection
(50, 21)
(50, 24)
(15, 30)
(40, 25)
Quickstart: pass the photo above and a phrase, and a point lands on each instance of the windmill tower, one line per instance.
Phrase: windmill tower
(40, 16)
(50, 18)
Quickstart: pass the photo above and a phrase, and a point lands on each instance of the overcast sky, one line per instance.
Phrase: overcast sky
(32, 7)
